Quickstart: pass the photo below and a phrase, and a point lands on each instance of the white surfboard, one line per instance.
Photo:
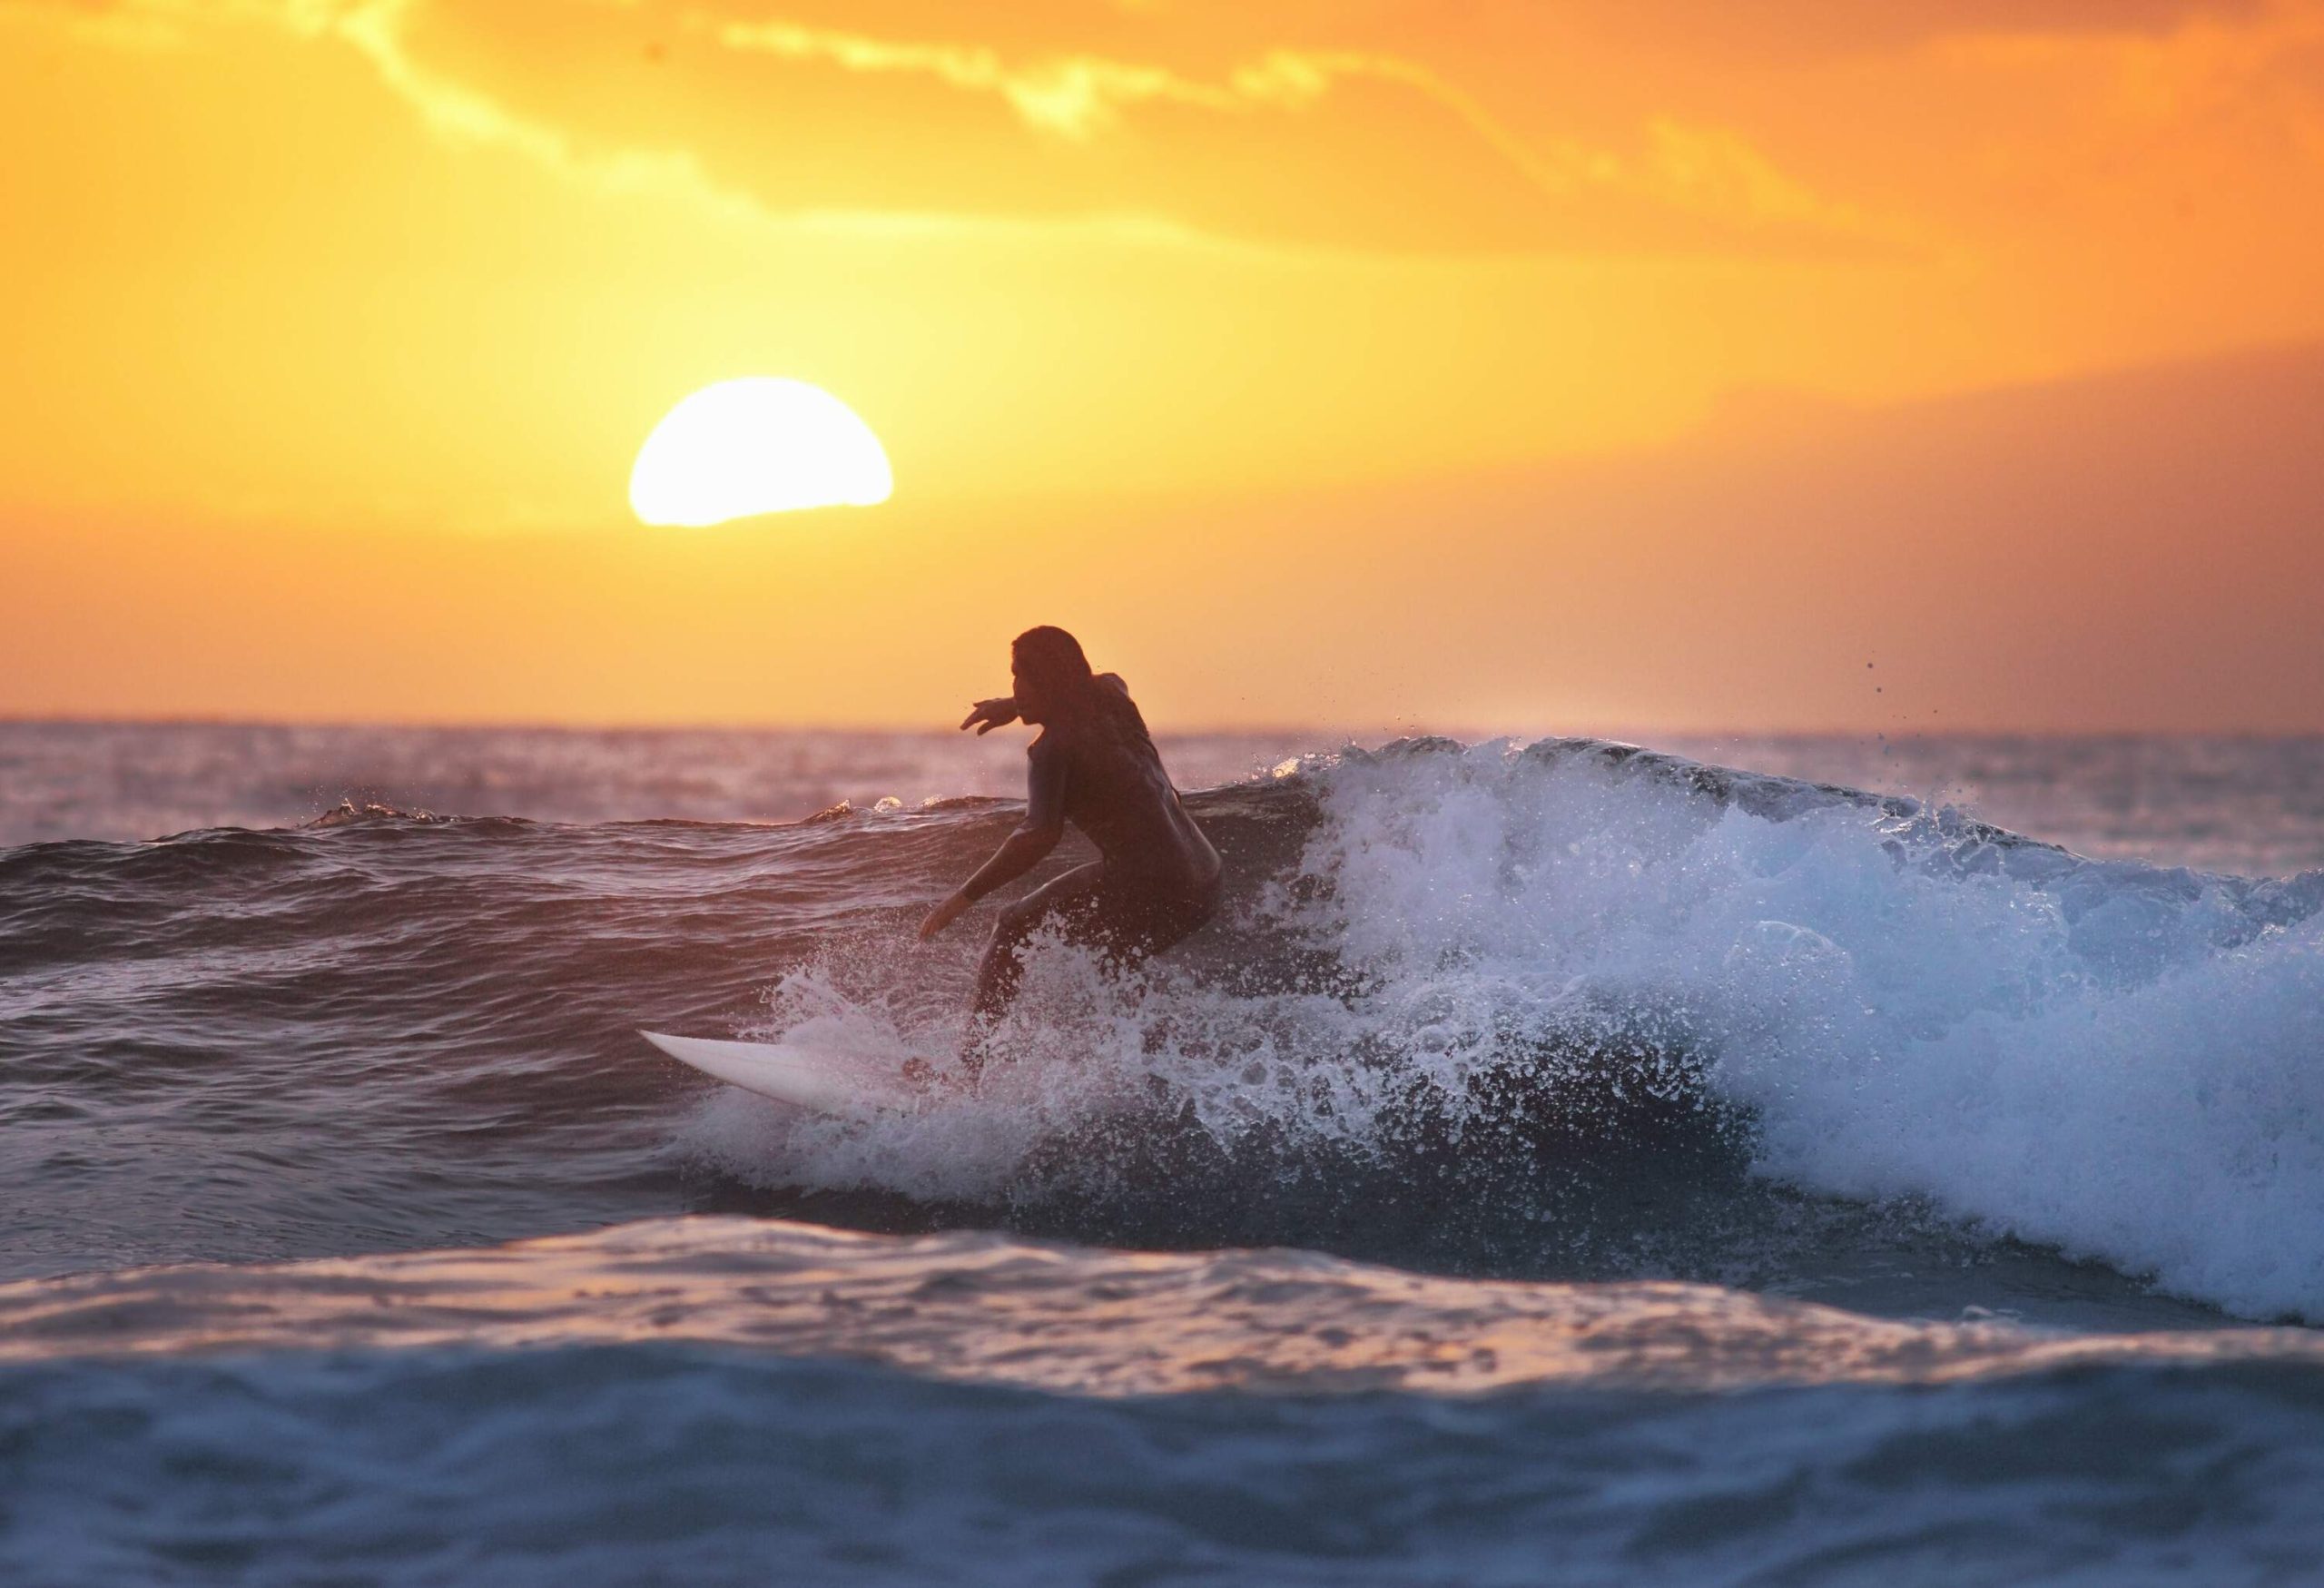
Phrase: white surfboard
(788, 1073)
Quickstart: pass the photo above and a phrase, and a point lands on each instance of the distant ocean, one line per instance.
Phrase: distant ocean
(1776, 1160)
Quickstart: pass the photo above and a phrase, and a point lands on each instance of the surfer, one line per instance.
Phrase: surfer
(1155, 879)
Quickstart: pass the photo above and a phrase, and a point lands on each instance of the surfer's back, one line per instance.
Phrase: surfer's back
(1117, 791)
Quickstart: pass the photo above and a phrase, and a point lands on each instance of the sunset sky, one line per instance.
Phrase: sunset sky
(1487, 364)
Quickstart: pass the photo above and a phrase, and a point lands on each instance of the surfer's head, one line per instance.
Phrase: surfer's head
(1050, 672)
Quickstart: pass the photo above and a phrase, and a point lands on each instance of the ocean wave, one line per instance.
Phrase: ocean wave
(1574, 1009)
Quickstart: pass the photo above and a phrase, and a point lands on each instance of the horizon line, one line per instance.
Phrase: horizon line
(1466, 734)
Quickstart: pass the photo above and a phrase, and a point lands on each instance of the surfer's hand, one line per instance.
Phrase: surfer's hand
(989, 715)
(942, 916)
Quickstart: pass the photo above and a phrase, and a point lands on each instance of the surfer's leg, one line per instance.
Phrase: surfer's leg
(1130, 923)
(1004, 968)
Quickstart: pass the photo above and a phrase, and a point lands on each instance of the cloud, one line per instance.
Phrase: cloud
(1072, 96)
(1715, 171)
(1707, 172)
(378, 30)
(1709, 175)
(1081, 96)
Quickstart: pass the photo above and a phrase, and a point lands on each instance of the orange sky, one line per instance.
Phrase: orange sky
(1492, 364)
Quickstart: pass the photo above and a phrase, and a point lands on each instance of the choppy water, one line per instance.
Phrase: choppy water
(1559, 1163)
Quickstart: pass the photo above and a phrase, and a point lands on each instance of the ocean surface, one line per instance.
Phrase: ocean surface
(1777, 1161)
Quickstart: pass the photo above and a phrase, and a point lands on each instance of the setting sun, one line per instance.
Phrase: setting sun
(756, 445)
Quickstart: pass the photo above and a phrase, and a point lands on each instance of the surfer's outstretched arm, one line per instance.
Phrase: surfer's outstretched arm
(1024, 849)
(988, 715)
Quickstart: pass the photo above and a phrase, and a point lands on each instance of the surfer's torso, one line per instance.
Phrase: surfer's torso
(1110, 784)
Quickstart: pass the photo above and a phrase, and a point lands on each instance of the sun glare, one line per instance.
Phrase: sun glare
(761, 445)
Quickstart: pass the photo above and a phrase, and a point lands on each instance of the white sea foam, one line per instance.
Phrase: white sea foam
(2121, 1060)
(2125, 1061)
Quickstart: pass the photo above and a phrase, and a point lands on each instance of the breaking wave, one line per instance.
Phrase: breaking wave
(1651, 969)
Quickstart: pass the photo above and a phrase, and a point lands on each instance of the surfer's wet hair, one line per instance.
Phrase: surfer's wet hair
(1055, 658)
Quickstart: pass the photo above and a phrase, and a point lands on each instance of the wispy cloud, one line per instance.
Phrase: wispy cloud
(1079, 96)
(380, 31)
(1072, 96)
(1712, 174)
